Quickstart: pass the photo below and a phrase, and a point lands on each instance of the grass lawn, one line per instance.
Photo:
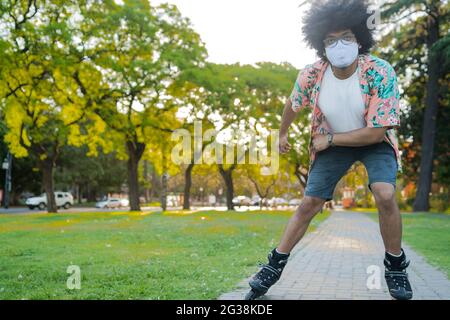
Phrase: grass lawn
(429, 235)
(135, 255)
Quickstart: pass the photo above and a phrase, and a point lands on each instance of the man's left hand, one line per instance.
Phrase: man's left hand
(320, 142)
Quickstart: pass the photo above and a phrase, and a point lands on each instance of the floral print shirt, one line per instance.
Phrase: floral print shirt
(378, 83)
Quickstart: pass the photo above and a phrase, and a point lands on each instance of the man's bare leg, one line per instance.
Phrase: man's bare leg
(391, 230)
(389, 216)
(278, 257)
(299, 222)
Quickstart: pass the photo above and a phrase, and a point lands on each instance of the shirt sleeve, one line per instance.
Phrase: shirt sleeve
(300, 95)
(384, 104)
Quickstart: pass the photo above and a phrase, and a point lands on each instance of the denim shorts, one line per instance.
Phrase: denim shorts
(331, 164)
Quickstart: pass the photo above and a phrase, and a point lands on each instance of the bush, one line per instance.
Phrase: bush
(439, 202)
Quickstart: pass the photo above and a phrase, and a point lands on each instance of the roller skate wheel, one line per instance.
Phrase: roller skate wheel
(251, 295)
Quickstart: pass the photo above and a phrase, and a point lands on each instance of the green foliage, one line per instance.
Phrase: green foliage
(440, 202)
(97, 175)
(140, 50)
(406, 48)
(95, 74)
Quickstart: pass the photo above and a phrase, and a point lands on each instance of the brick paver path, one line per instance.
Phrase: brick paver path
(332, 262)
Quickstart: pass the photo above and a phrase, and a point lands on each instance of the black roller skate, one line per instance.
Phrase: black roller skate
(267, 275)
(396, 277)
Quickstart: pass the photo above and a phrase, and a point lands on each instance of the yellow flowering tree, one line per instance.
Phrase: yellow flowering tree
(40, 102)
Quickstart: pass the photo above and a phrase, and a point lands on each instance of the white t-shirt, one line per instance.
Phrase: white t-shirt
(341, 101)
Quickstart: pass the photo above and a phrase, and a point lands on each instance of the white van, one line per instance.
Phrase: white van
(63, 200)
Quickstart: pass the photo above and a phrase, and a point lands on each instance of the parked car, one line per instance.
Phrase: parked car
(255, 201)
(242, 201)
(124, 203)
(63, 200)
(109, 203)
(295, 202)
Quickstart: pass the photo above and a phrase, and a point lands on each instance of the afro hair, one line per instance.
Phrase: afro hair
(327, 16)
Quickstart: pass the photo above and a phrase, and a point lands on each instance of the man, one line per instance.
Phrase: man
(355, 109)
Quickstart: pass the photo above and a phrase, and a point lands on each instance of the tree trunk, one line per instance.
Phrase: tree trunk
(79, 194)
(421, 202)
(146, 191)
(164, 191)
(47, 167)
(155, 183)
(165, 177)
(261, 195)
(227, 176)
(135, 151)
(187, 186)
(91, 194)
(230, 192)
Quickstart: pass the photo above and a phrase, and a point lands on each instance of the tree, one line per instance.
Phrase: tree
(89, 176)
(158, 153)
(140, 51)
(357, 179)
(420, 43)
(40, 110)
(211, 98)
(263, 183)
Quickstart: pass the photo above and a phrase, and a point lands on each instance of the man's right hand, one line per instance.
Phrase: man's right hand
(285, 146)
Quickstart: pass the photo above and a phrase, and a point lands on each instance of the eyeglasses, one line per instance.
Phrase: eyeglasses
(346, 39)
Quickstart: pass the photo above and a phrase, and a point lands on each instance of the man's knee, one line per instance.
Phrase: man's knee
(384, 193)
(309, 207)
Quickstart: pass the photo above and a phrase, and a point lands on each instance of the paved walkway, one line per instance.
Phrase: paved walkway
(332, 262)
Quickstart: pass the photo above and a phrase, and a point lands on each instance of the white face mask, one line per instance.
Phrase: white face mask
(342, 54)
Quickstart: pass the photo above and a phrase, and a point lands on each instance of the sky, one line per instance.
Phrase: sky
(249, 31)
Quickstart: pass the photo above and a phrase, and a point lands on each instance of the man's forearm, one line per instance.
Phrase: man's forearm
(287, 118)
(360, 137)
